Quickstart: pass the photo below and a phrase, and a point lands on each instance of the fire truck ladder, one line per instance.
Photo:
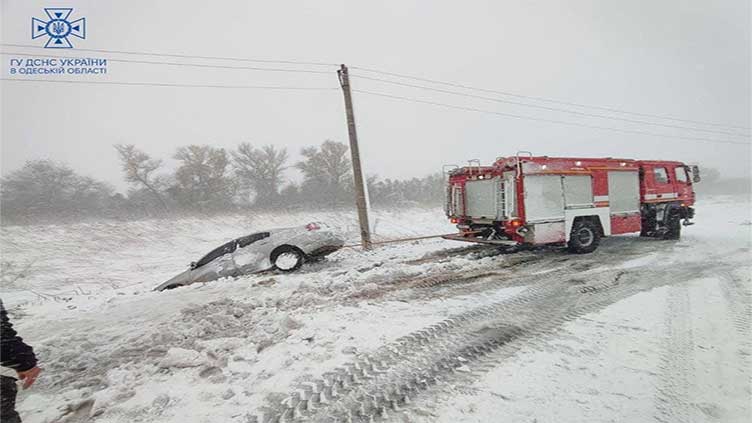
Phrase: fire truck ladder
(519, 162)
(470, 165)
(501, 199)
(446, 170)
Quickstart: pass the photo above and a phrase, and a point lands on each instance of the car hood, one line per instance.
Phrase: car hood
(182, 278)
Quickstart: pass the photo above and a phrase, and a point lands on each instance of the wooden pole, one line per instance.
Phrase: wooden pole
(360, 192)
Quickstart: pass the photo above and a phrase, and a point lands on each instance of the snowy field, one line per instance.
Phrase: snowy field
(425, 331)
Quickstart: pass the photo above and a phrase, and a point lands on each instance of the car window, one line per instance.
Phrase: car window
(217, 252)
(250, 239)
(681, 175)
(661, 176)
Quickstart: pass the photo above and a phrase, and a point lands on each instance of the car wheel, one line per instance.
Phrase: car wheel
(584, 238)
(287, 258)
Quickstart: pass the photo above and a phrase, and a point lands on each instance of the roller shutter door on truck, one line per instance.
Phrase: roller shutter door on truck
(578, 191)
(623, 192)
(481, 198)
(544, 198)
(624, 201)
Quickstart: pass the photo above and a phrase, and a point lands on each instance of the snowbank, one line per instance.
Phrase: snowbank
(115, 351)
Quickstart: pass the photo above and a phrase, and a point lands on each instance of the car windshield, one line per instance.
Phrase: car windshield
(250, 239)
(217, 252)
(230, 247)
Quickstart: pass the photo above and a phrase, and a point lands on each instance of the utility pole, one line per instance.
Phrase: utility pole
(360, 191)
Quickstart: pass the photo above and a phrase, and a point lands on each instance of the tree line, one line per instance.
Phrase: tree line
(207, 179)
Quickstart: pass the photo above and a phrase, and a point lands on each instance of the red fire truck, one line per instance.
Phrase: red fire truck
(535, 200)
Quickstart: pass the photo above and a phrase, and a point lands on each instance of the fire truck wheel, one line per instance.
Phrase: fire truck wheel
(674, 228)
(648, 225)
(584, 237)
(648, 228)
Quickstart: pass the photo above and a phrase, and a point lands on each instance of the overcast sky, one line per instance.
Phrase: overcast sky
(688, 59)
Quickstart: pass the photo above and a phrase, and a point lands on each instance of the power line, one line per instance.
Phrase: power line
(159, 84)
(560, 122)
(413, 100)
(175, 64)
(555, 109)
(186, 56)
(569, 103)
(399, 75)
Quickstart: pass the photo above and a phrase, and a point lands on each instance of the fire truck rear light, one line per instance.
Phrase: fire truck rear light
(454, 220)
(515, 223)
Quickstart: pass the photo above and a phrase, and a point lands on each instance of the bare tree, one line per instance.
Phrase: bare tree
(201, 179)
(43, 188)
(261, 170)
(139, 169)
(326, 169)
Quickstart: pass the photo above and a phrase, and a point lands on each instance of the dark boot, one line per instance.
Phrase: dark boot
(8, 392)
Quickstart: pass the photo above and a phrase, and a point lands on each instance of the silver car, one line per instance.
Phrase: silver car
(281, 249)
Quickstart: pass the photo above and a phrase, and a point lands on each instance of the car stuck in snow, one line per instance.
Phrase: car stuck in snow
(284, 249)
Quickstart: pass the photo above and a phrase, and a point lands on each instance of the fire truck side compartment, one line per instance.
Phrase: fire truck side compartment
(578, 191)
(544, 217)
(481, 198)
(624, 201)
(544, 198)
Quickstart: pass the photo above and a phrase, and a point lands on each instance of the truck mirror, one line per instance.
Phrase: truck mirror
(695, 173)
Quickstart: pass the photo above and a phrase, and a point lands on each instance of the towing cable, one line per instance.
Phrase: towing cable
(417, 238)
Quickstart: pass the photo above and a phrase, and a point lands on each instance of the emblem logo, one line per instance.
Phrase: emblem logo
(58, 28)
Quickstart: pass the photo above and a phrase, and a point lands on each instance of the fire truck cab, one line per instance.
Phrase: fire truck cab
(535, 200)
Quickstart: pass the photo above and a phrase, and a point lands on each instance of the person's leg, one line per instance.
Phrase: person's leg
(8, 392)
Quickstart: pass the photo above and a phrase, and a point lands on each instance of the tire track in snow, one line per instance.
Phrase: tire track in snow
(472, 251)
(411, 350)
(392, 289)
(737, 293)
(496, 274)
(384, 382)
(672, 398)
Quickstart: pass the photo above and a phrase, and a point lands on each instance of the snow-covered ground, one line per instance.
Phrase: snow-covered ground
(432, 330)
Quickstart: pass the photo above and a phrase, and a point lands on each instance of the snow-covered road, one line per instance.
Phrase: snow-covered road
(640, 330)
